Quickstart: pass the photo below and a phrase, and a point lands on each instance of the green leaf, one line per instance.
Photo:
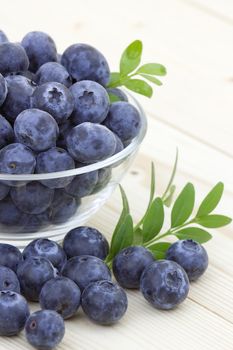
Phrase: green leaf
(152, 79)
(213, 221)
(159, 249)
(113, 98)
(114, 78)
(138, 240)
(152, 183)
(139, 86)
(152, 69)
(168, 200)
(172, 175)
(131, 58)
(123, 237)
(153, 220)
(197, 234)
(211, 201)
(183, 206)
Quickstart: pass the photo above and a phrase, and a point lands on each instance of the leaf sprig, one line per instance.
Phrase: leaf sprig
(148, 231)
(129, 68)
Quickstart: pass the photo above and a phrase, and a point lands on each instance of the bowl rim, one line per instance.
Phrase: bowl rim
(118, 157)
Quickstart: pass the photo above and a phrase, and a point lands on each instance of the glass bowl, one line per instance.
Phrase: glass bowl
(91, 186)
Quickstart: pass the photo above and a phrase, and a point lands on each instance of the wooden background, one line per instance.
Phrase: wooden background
(192, 111)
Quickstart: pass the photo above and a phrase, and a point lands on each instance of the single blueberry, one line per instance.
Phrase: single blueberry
(104, 302)
(3, 37)
(124, 120)
(36, 129)
(85, 240)
(91, 102)
(8, 280)
(129, 264)
(61, 295)
(191, 255)
(6, 132)
(104, 176)
(13, 58)
(3, 89)
(40, 49)
(83, 185)
(27, 74)
(48, 249)
(63, 207)
(4, 190)
(85, 269)
(84, 62)
(53, 160)
(10, 256)
(90, 143)
(32, 274)
(10, 215)
(53, 72)
(164, 284)
(14, 312)
(44, 329)
(116, 95)
(64, 130)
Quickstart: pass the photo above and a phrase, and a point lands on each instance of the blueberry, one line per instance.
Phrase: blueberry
(164, 284)
(32, 274)
(10, 215)
(82, 185)
(48, 249)
(191, 255)
(6, 132)
(124, 120)
(104, 176)
(64, 130)
(40, 49)
(117, 95)
(85, 240)
(14, 312)
(61, 295)
(32, 198)
(10, 256)
(13, 58)
(3, 89)
(53, 72)
(34, 222)
(20, 90)
(8, 280)
(53, 160)
(85, 269)
(36, 129)
(63, 207)
(91, 102)
(89, 143)
(3, 37)
(119, 144)
(27, 74)
(84, 62)
(44, 329)
(4, 190)
(54, 98)
(129, 264)
(104, 302)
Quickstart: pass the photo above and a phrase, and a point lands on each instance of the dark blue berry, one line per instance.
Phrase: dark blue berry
(85, 240)
(27, 74)
(119, 144)
(117, 95)
(53, 72)
(61, 295)
(104, 176)
(4, 190)
(40, 49)
(91, 102)
(85, 269)
(64, 130)
(129, 264)
(63, 207)
(104, 302)
(8, 280)
(10, 215)
(33, 222)
(191, 255)
(13, 58)
(36, 129)
(44, 329)
(6, 132)
(84, 62)
(3, 89)
(164, 284)
(3, 37)
(82, 185)
(10, 256)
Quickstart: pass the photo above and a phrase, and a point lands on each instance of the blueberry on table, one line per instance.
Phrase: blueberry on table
(13, 58)
(44, 329)
(3, 37)
(54, 160)
(124, 120)
(85, 240)
(8, 280)
(117, 94)
(90, 143)
(104, 176)
(53, 72)
(129, 264)
(191, 255)
(82, 185)
(3, 89)
(36, 129)
(48, 249)
(40, 48)
(85, 269)
(32, 274)
(54, 98)
(62, 295)
(84, 62)
(91, 102)
(14, 312)
(6, 132)
(10, 256)
(164, 284)
(63, 207)
(4, 190)
(104, 302)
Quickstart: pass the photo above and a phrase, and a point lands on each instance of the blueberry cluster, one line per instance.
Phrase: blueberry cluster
(55, 115)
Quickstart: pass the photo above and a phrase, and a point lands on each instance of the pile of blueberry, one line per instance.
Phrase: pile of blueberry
(64, 277)
(55, 115)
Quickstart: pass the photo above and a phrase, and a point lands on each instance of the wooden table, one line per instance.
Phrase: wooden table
(193, 110)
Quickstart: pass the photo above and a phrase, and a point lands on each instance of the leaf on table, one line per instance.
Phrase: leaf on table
(168, 200)
(153, 220)
(213, 220)
(131, 58)
(197, 234)
(211, 201)
(183, 206)
(123, 237)
(159, 249)
(172, 176)
(138, 239)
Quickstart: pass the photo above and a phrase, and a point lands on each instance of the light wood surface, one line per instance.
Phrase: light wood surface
(192, 111)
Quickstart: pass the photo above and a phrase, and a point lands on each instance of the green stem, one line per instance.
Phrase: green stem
(121, 81)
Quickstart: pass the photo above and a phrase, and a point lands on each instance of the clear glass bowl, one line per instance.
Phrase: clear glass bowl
(65, 212)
